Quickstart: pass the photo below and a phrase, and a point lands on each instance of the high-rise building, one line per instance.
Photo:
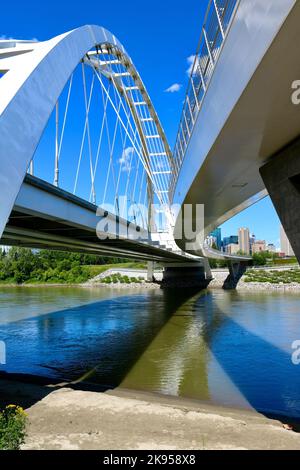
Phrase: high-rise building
(217, 234)
(244, 240)
(233, 239)
(271, 248)
(252, 241)
(285, 243)
(258, 246)
(232, 248)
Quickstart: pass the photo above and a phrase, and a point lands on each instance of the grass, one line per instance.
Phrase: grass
(282, 262)
(99, 269)
(273, 276)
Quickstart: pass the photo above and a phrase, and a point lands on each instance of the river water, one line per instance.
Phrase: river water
(227, 348)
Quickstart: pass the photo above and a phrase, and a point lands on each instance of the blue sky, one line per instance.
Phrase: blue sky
(160, 36)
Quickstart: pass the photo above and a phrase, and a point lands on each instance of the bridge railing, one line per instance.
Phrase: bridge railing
(215, 27)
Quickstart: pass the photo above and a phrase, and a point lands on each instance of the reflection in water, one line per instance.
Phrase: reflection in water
(222, 347)
(175, 361)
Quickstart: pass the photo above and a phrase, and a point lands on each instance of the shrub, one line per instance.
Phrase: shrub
(12, 427)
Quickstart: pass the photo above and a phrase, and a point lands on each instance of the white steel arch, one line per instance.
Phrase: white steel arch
(33, 77)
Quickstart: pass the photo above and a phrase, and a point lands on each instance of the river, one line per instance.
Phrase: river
(227, 348)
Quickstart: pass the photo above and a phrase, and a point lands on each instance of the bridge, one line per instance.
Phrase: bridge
(86, 165)
(45, 216)
(237, 139)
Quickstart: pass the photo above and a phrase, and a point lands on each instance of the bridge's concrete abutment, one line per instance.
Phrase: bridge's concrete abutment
(180, 275)
(281, 176)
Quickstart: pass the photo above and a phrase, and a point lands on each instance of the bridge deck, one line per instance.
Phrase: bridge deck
(47, 217)
(247, 114)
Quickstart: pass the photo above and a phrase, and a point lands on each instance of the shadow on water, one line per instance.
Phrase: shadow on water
(172, 341)
(92, 347)
(263, 373)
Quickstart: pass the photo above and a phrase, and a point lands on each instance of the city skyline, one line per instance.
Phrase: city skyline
(246, 241)
(262, 220)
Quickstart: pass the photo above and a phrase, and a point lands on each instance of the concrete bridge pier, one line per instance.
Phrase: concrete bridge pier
(150, 271)
(281, 176)
(236, 270)
(185, 275)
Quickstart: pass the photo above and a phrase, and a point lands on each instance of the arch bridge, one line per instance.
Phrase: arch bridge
(86, 165)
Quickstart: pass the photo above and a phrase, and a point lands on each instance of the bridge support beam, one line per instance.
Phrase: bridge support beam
(178, 275)
(281, 176)
(236, 270)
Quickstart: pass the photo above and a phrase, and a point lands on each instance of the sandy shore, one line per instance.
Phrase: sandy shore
(88, 284)
(119, 285)
(64, 418)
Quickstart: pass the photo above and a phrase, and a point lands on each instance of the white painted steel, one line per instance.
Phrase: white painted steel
(35, 75)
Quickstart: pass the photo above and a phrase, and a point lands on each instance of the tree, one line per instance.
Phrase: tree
(260, 259)
(24, 265)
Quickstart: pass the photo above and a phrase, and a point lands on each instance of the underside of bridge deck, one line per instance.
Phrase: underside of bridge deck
(48, 217)
(36, 232)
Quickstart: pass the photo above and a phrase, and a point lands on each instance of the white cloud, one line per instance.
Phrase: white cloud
(190, 61)
(174, 88)
(200, 60)
(125, 159)
(4, 37)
